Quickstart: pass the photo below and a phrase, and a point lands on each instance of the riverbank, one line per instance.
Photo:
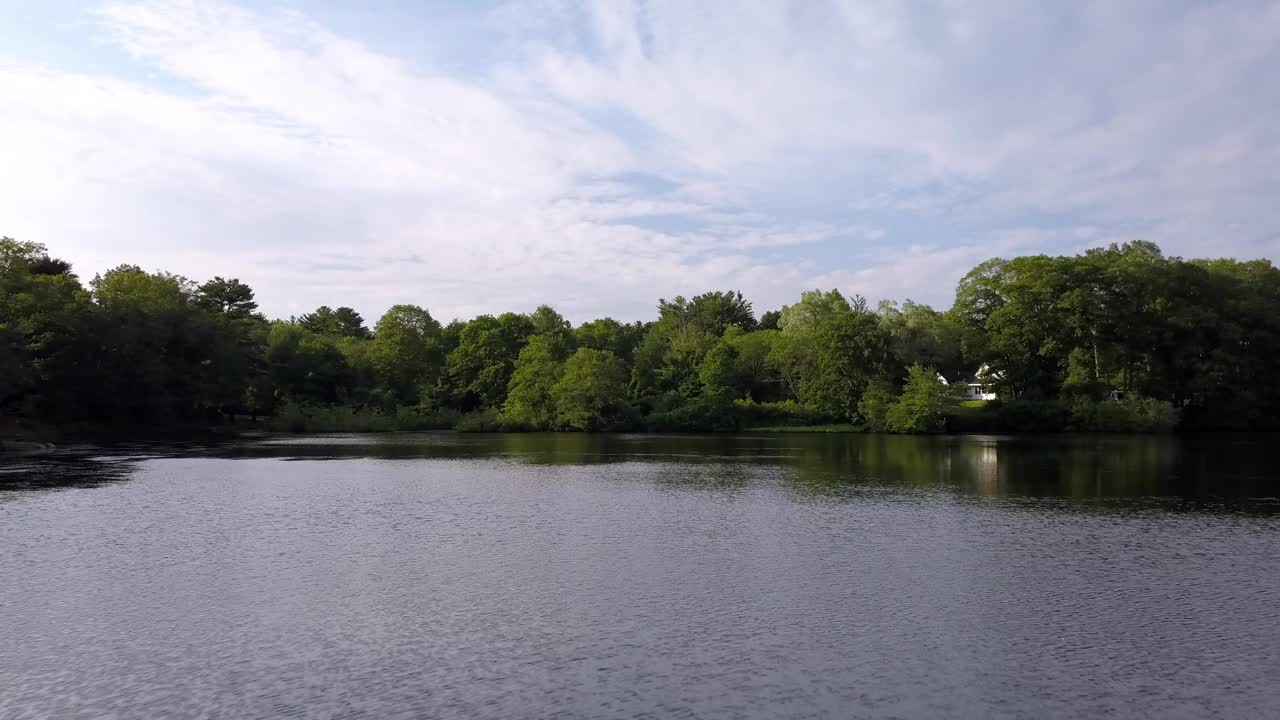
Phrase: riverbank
(24, 446)
(834, 428)
(1015, 417)
(28, 436)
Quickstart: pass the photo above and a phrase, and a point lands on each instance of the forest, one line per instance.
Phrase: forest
(1122, 338)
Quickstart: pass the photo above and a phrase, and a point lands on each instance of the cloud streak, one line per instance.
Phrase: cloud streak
(606, 154)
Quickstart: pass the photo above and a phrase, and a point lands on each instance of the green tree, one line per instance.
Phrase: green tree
(156, 345)
(548, 323)
(609, 334)
(923, 405)
(758, 378)
(306, 368)
(530, 398)
(230, 298)
(874, 406)
(46, 348)
(830, 350)
(343, 322)
(405, 354)
(480, 368)
(921, 335)
(592, 390)
(668, 358)
(718, 370)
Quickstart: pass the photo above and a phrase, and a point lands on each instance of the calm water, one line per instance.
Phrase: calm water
(417, 576)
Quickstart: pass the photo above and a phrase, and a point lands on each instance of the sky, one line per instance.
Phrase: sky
(474, 157)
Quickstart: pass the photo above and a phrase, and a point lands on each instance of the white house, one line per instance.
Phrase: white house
(977, 390)
(978, 386)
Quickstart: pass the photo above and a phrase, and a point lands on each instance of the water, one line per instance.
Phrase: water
(778, 576)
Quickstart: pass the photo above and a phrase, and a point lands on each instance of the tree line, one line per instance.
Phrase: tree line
(1116, 338)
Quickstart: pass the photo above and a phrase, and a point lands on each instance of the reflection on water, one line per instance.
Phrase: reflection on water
(1235, 470)
(1218, 468)
(61, 469)
(757, 576)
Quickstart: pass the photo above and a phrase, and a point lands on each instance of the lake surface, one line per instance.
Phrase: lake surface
(763, 576)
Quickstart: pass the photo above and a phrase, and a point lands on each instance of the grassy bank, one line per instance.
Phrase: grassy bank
(832, 428)
(339, 419)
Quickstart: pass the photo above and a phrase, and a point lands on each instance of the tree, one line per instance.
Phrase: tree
(155, 345)
(405, 354)
(231, 298)
(924, 403)
(667, 360)
(609, 334)
(548, 323)
(874, 406)
(759, 380)
(830, 350)
(480, 368)
(591, 392)
(305, 367)
(921, 335)
(1016, 324)
(711, 313)
(343, 322)
(1189, 341)
(45, 344)
(236, 351)
(530, 399)
(719, 369)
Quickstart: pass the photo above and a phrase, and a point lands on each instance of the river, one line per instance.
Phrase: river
(573, 576)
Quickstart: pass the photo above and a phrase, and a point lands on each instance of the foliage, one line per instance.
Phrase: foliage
(405, 354)
(529, 394)
(829, 351)
(343, 322)
(1130, 414)
(784, 413)
(924, 404)
(874, 406)
(480, 367)
(609, 334)
(1117, 339)
(1018, 415)
(591, 392)
(298, 418)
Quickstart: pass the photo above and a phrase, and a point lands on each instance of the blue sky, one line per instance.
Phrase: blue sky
(486, 156)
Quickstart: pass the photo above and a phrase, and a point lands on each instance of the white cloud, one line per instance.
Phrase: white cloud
(616, 152)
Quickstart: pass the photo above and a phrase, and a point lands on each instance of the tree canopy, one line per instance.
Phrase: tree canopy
(1115, 337)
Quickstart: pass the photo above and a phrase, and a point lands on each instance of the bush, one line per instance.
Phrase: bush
(1010, 416)
(785, 413)
(1132, 414)
(490, 421)
(297, 418)
(704, 413)
(874, 407)
(1082, 414)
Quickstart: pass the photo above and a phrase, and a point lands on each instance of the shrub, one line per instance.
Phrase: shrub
(489, 421)
(714, 413)
(1010, 416)
(776, 414)
(874, 407)
(922, 407)
(298, 418)
(1132, 414)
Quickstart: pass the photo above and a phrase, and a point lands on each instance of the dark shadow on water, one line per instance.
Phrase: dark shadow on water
(86, 466)
(61, 469)
(1227, 472)
(1184, 471)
